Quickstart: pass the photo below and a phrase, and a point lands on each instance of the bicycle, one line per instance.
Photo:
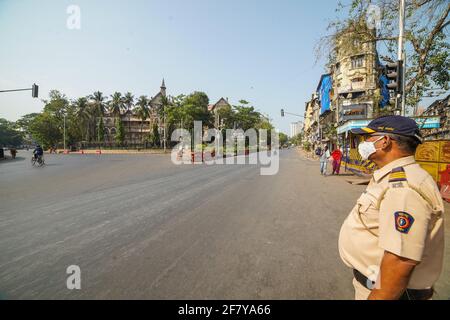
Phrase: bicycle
(39, 161)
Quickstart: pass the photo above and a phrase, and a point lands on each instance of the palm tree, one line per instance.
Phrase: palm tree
(116, 104)
(128, 101)
(97, 108)
(82, 114)
(98, 102)
(142, 110)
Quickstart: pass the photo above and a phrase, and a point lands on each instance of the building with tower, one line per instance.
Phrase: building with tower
(136, 130)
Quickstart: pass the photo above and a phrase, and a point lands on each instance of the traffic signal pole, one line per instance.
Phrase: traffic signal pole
(34, 90)
(401, 61)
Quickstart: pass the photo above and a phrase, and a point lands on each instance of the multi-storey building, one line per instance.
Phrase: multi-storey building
(311, 129)
(136, 130)
(355, 78)
(441, 109)
(348, 95)
(295, 128)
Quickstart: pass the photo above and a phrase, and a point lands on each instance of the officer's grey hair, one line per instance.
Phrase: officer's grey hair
(405, 143)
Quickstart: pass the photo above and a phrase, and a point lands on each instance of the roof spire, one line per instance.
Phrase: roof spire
(163, 88)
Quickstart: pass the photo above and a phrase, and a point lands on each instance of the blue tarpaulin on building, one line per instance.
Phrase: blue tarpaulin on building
(384, 91)
(325, 87)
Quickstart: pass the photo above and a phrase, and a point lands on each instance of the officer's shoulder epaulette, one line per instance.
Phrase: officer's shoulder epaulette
(397, 175)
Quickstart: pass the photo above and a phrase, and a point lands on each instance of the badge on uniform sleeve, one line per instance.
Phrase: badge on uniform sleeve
(403, 221)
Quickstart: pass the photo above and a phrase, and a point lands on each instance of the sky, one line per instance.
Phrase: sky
(262, 51)
(258, 50)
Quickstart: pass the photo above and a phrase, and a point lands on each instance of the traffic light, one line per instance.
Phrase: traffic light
(282, 112)
(35, 90)
(394, 71)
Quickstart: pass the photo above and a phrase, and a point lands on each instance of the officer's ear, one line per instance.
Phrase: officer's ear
(387, 142)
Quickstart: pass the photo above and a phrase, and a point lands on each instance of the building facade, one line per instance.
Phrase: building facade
(311, 129)
(295, 128)
(355, 79)
(441, 109)
(214, 108)
(136, 130)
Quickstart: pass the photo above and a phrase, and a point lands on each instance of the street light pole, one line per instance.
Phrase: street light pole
(165, 130)
(400, 57)
(64, 132)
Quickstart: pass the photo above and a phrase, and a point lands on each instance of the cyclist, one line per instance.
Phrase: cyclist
(38, 152)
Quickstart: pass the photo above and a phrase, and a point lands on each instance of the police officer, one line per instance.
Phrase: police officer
(393, 238)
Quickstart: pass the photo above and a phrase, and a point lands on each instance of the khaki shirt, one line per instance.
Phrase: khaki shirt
(403, 209)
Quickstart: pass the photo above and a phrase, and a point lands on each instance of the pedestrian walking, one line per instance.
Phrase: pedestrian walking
(324, 157)
(318, 151)
(337, 157)
(13, 152)
(393, 238)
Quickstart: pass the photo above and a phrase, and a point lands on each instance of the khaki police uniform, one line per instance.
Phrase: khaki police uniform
(402, 212)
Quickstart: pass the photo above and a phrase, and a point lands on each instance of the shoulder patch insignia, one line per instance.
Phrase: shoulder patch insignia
(397, 175)
(403, 221)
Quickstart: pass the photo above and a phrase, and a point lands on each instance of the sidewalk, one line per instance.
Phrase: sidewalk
(114, 151)
(308, 155)
(349, 176)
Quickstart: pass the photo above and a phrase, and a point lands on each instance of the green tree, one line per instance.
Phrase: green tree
(330, 131)
(57, 105)
(97, 108)
(101, 130)
(116, 104)
(23, 125)
(283, 138)
(246, 116)
(120, 132)
(195, 108)
(297, 140)
(82, 115)
(46, 129)
(265, 124)
(142, 110)
(98, 101)
(128, 100)
(154, 137)
(9, 135)
(225, 117)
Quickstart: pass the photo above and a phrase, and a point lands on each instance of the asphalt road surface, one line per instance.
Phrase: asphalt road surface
(140, 227)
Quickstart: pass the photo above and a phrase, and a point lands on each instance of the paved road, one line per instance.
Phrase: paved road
(140, 227)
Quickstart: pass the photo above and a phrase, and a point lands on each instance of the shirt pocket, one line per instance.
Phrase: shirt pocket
(368, 211)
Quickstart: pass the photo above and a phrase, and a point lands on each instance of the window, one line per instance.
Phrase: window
(338, 68)
(357, 62)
